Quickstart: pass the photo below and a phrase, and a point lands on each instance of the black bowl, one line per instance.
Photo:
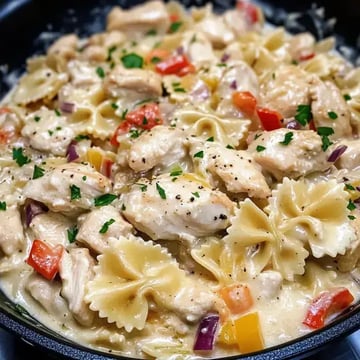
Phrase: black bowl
(21, 24)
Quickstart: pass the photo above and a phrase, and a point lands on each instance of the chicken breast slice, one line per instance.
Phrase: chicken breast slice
(56, 187)
(51, 228)
(138, 20)
(91, 224)
(350, 159)
(236, 169)
(11, 231)
(76, 270)
(329, 108)
(170, 209)
(302, 156)
(133, 83)
(286, 89)
(48, 131)
(161, 146)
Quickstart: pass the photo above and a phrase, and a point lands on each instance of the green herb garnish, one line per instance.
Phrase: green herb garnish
(19, 157)
(199, 154)
(211, 139)
(38, 172)
(124, 113)
(105, 226)
(196, 194)
(260, 148)
(351, 217)
(123, 207)
(332, 115)
(75, 192)
(351, 206)
(161, 191)
(347, 97)
(143, 187)
(287, 139)
(151, 32)
(2, 205)
(174, 27)
(81, 137)
(228, 146)
(303, 114)
(114, 106)
(132, 60)
(100, 71)
(349, 187)
(155, 60)
(71, 234)
(324, 132)
(105, 199)
(134, 133)
(110, 52)
(37, 118)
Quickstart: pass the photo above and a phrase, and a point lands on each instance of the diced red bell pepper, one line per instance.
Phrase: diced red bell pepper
(157, 55)
(245, 101)
(106, 166)
(250, 10)
(312, 125)
(144, 117)
(4, 110)
(5, 136)
(45, 259)
(306, 56)
(325, 304)
(175, 65)
(270, 119)
(174, 17)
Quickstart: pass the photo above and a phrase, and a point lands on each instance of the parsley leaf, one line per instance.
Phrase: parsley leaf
(196, 194)
(151, 32)
(57, 112)
(211, 139)
(38, 172)
(105, 199)
(81, 137)
(260, 148)
(347, 97)
(105, 226)
(124, 113)
(176, 171)
(19, 157)
(143, 187)
(161, 191)
(349, 187)
(351, 217)
(174, 27)
(199, 154)
(132, 60)
(324, 132)
(75, 192)
(114, 106)
(332, 115)
(134, 133)
(110, 52)
(303, 114)
(100, 71)
(155, 60)
(2, 205)
(37, 118)
(351, 206)
(71, 234)
(228, 146)
(123, 207)
(287, 139)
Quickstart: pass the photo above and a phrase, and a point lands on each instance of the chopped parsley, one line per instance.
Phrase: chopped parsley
(100, 71)
(19, 157)
(145, 121)
(75, 192)
(161, 191)
(105, 199)
(132, 60)
(221, 65)
(332, 115)
(351, 206)
(124, 113)
(110, 52)
(199, 154)
(114, 106)
(211, 139)
(196, 194)
(257, 136)
(81, 137)
(349, 187)
(324, 132)
(260, 148)
(38, 172)
(37, 118)
(2, 205)
(57, 112)
(351, 217)
(347, 97)
(303, 114)
(71, 234)
(180, 89)
(134, 133)
(287, 139)
(177, 171)
(105, 226)
(143, 187)
(50, 132)
(84, 178)
(228, 146)
(175, 26)
(151, 32)
(147, 100)
(155, 60)
(123, 207)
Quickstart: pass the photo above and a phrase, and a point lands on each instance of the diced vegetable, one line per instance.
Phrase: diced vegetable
(237, 298)
(325, 304)
(307, 56)
(227, 334)
(270, 119)
(248, 333)
(250, 10)
(71, 152)
(175, 65)
(335, 155)
(245, 101)
(157, 55)
(33, 208)
(5, 136)
(106, 167)
(206, 331)
(45, 259)
(4, 110)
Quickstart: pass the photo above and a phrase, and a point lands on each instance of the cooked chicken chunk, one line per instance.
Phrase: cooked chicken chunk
(267, 284)
(162, 146)
(329, 108)
(82, 74)
(138, 20)
(11, 231)
(76, 270)
(180, 209)
(68, 188)
(47, 294)
(350, 159)
(286, 89)
(133, 83)
(108, 39)
(65, 46)
(301, 46)
(48, 132)
(303, 155)
(237, 170)
(93, 222)
(94, 53)
(51, 228)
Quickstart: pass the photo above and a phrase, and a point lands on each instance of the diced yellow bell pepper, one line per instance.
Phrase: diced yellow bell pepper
(94, 157)
(227, 334)
(351, 189)
(248, 333)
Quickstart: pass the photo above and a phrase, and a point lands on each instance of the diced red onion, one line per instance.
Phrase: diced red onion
(67, 107)
(32, 209)
(71, 151)
(357, 188)
(233, 85)
(294, 125)
(206, 331)
(225, 57)
(180, 50)
(337, 153)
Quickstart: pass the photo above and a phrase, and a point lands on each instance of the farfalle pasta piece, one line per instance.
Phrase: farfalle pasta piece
(313, 213)
(129, 272)
(253, 232)
(43, 83)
